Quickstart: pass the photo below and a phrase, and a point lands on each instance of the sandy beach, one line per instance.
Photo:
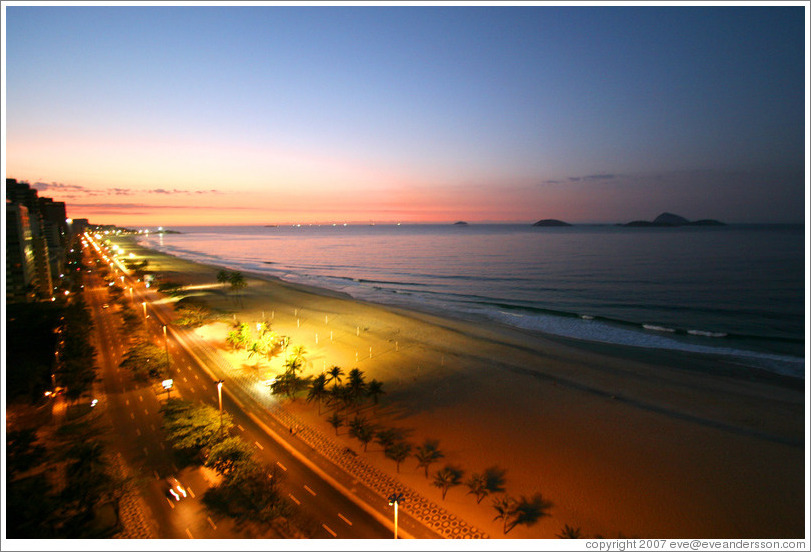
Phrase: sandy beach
(623, 442)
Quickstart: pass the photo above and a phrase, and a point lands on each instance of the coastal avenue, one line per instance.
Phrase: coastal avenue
(338, 515)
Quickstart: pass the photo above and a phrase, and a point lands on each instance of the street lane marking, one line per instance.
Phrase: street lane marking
(309, 490)
(152, 426)
(294, 499)
(195, 377)
(138, 432)
(258, 445)
(141, 398)
(170, 503)
(156, 475)
(330, 531)
(146, 451)
(211, 523)
(281, 466)
(191, 492)
(240, 427)
(132, 415)
(346, 520)
(127, 402)
(189, 533)
(146, 411)
(184, 379)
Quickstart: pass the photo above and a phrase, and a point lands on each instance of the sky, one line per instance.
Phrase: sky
(264, 114)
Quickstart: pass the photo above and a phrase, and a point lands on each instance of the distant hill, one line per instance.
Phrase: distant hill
(551, 222)
(460, 223)
(671, 220)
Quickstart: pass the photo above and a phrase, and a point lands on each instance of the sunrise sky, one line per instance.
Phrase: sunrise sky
(262, 114)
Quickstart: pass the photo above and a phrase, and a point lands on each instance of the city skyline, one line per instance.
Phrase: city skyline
(266, 114)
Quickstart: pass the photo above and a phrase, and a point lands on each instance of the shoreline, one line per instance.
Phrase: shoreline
(782, 356)
(497, 384)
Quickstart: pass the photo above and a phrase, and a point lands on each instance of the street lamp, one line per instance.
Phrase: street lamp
(395, 499)
(166, 344)
(219, 393)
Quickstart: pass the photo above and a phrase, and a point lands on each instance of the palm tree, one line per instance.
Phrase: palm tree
(364, 434)
(255, 348)
(335, 421)
(292, 364)
(447, 477)
(506, 509)
(569, 532)
(374, 389)
(335, 374)
(298, 352)
(318, 390)
(427, 454)
(478, 486)
(398, 452)
(237, 281)
(387, 437)
(495, 479)
(356, 384)
(244, 335)
(222, 277)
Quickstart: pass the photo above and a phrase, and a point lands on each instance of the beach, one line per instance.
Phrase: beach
(622, 441)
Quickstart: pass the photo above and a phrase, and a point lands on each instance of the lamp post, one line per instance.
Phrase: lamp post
(219, 393)
(395, 499)
(166, 345)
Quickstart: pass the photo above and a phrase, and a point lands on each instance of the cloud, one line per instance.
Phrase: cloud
(176, 191)
(59, 186)
(587, 178)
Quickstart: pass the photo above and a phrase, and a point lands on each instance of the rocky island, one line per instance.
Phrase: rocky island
(669, 220)
(551, 223)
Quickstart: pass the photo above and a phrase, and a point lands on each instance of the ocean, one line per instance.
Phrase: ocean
(736, 291)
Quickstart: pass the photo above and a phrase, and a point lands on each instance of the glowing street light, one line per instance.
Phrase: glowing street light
(219, 393)
(395, 499)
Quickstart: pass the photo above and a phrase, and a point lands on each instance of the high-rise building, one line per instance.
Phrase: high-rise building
(21, 278)
(46, 270)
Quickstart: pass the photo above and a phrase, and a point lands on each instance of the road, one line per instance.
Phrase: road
(335, 514)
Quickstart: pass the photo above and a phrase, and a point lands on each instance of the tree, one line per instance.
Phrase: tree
(335, 421)
(526, 511)
(374, 389)
(506, 510)
(530, 510)
(298, 353)
(569, 532)
(222, 277)
(447, 477)
(364, 434)
(335, 373)
(478, 486)
(427, 454)
(388, 437)
(495, 478)
(398, 452)
(191, 426)
(318, 390)
(237, 281)
(146, 361)
(255, 348)
(225, 456)
(356, 384)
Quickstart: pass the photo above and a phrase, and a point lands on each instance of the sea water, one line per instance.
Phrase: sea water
(736, 291)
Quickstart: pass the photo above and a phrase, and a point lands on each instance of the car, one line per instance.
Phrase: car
(175, 489)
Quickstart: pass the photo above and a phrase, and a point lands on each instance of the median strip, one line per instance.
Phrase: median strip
(309, 490)
(330, 531)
